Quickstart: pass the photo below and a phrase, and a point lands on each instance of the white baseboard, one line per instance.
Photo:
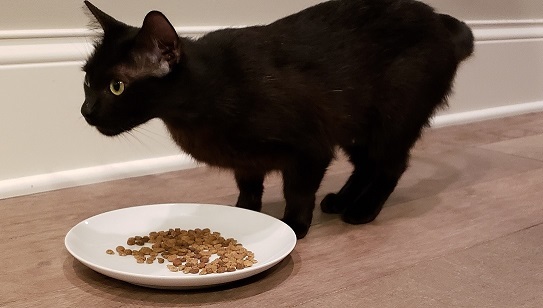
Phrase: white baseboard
(485, 114)
(500, 30)
(84, 176)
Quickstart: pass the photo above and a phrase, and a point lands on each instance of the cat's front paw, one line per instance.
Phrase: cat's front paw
(300, 229)
(331, 204)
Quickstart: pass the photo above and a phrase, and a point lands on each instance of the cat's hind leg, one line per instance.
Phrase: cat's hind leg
(251, 188)
(371, 196)
(373, 179)
(336, 203)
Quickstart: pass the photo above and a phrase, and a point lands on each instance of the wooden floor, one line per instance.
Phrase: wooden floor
(464, 228)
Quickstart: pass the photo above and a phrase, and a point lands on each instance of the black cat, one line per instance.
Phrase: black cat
(362, 75)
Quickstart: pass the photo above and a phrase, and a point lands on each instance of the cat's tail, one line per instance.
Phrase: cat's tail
(461, 36)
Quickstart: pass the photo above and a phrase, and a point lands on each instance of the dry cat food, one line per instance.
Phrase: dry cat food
(197, 251)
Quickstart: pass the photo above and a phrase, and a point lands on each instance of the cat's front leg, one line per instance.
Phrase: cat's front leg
(251, 187)
(301, 181)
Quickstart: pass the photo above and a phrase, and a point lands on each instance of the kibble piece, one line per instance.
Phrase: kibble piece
(177, 262)
(247, 263)
(172, 268)
(110, 252)
(146, 250)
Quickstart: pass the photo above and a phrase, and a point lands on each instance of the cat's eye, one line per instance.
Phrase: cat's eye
(116, 87)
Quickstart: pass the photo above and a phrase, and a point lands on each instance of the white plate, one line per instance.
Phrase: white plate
(270, 239)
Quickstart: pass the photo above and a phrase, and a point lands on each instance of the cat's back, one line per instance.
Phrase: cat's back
(362, 22)
(336, 29)
(327, 46)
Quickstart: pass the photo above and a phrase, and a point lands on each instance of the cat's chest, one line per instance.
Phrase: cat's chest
(207, 145)
(222, 149)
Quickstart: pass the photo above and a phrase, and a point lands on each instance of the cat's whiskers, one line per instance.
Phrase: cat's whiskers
(133, 133)
(160, 139)
(148, 132)
(129, 137)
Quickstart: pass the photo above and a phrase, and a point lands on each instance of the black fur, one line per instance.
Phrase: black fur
(362, 75)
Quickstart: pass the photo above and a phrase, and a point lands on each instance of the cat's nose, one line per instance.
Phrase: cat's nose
(88, 111)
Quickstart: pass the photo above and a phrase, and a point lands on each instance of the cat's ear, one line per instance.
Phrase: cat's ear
(106, 22)
(158, 37)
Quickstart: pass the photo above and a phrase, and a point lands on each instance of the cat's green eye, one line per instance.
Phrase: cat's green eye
(116, 87)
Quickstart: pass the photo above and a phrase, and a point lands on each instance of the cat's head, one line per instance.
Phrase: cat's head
(122, 74)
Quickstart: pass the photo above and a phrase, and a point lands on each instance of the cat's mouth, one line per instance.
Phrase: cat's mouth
(105, 130)
(110, 132)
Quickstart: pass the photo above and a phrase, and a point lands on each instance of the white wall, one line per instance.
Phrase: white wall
(490, 9)
(66, 14)
(45, 143)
